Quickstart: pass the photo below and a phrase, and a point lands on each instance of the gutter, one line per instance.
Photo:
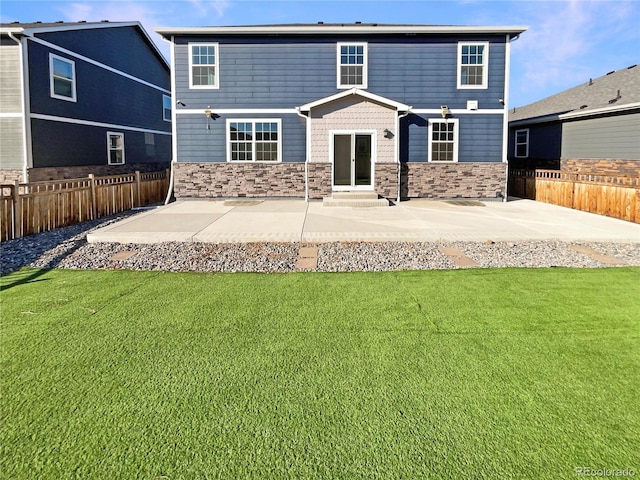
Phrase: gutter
(400, 117)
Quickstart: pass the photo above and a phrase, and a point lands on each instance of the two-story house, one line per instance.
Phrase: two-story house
(80, 98)
(307, 110)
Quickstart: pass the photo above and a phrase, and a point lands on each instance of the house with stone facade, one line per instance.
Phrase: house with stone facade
(593, 127)
(310, 110)
(79, 98)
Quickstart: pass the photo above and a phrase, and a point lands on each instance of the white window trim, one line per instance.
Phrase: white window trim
(170, 108)
(73, 98)
(253, 154)
(365, 65)
(485, 65)
(515, 144)
(456, 139)
(109, 150)
(217, 65)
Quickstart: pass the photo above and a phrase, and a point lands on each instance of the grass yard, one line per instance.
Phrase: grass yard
(507, 373)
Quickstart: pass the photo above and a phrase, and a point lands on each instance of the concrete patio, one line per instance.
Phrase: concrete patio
(240, 221)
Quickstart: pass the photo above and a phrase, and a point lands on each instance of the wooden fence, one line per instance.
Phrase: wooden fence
(28, 208)
(617, 197)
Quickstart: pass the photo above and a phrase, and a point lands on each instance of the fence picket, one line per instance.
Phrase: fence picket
(617, 197)
(28, 208)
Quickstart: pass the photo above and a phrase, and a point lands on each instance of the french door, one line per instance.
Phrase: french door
(352, 161)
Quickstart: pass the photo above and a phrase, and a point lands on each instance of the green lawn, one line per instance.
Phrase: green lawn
(507, 373)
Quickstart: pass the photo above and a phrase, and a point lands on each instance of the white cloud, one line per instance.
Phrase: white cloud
(565, 40)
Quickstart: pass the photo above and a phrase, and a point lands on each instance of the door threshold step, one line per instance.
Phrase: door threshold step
(339, 202)
(355, 195)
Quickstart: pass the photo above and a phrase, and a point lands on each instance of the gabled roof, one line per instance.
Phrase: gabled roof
(32, 28)
(355, 91)
(617, 90)
(322, 28)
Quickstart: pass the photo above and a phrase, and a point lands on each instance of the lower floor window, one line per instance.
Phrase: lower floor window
(443, 140)
(253, 140)
(115, 148)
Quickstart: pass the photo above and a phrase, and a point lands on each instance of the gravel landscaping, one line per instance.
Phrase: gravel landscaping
(67, 248)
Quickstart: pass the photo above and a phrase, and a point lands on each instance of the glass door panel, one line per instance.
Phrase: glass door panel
(342, 160)
(363, 160)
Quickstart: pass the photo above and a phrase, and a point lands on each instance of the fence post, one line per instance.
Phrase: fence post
(17, 210)
(94, 207)
(138, 193)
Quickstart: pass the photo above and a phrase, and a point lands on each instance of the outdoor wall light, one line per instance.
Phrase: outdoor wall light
(207, 113)
(444, 110)
(388, 133)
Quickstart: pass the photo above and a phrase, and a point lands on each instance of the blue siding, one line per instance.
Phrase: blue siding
(480, 138)
(57, 144)
(197, 144)
(544, 141)
(102, 96)
(283, 72)
(123, 48)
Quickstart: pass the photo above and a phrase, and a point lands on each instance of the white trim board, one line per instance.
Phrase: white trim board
(461, 111)
(75, 121)
(236, 111)
(98, 64)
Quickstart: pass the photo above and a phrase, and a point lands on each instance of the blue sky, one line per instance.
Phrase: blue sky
(567, 43)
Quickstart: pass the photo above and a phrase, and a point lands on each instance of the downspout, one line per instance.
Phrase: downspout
(25, 137)
(174, 123)
(398, 118)
(308, 153)
(505, 121)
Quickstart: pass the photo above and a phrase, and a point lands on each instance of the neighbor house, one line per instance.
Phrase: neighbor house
(307, 110)
(80, 98)
(591, 128)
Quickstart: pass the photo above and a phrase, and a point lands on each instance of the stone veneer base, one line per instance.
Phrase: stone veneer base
(426, 180)
(43, 174)
(10, 175)
(202, 180)
(453, 180)
(628, 168)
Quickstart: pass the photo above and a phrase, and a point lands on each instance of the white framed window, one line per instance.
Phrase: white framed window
(352, 65)
(203, 65)
(473, 64)
(62, 78)
(166, 108)
(443, 140)
(254, 140)
(115, 148)
(522, 143)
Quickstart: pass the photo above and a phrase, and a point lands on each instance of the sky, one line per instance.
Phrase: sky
(567, 41)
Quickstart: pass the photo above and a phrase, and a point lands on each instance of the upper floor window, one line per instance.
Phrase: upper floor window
(203, 65)
(522, 143)
(115, 148)
(253, 140)
(166, 108)
(352, 65)
(443, 140)
(473, 61)
(62, 76)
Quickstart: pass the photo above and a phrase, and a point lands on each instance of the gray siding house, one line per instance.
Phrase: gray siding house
(591, 128)
(79, 98)
(305, 110)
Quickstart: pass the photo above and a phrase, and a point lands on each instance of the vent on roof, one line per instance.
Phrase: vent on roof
(82, 21)
(358, 23)
(104, 21)
(320, 23)
(59, 21)
(612, 71)
(37, 21)
(632, 66)
(618, 97)
(582, 107)
(590, 81)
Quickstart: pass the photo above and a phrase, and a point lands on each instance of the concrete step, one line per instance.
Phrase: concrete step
(354, 195)
(354, 199)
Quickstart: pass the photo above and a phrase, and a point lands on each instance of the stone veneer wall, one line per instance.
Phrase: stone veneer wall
(451, 180)
(207, 180)
(386, 179)
(319, 180)
(10, 175)
(629, 168)
(43, 174)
